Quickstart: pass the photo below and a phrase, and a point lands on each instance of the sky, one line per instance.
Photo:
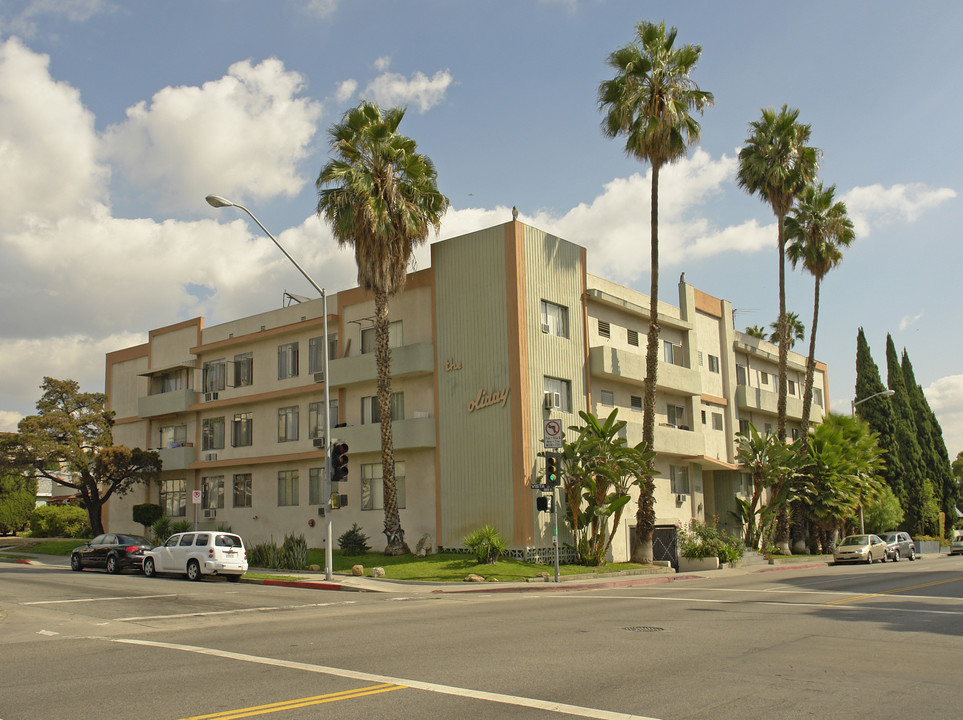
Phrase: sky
(118, 118)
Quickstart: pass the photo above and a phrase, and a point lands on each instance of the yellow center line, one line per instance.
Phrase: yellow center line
(298, 703)
(892, 592)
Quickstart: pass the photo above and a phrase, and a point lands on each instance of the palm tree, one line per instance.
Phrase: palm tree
(777, 164)
(650, 101)
(756, 331)
(380, 197)
(817, 230)
(794, 328)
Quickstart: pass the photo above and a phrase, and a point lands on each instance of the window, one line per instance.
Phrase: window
(287, 488)
(172, 436)
(795, 433)
(763, 378)
(212, 433)
(288, 423)
(717, 421)
(287, 361)
(554, 319)
(243, 369)
(740, 374)
(315, 358)
(818, 396)
(743, 427)
(672, 353)
(171, 381)
(242, 490)
(745, 484)
(242, 430)
(768, 428)
(636, 402)
(605, 330)
(372, 487)
(633, 337)
(173, 497)
(368, 337)
(608, 397)
(371, 412)
(564, 390)
(713, 364)
(214, 374)
(212, 492)
(703, 417)
(316, 422)
(700, 358)
(315, 485)
(679, 476)
(792, 387)
(676, 415)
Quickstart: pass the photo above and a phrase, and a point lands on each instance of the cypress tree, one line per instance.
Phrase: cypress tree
(935, 457)
(911, 456)
(878, 412)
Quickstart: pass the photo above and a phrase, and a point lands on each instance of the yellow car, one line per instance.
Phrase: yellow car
(860, 548)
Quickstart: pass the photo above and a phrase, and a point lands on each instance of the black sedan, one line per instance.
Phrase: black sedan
(111, 551)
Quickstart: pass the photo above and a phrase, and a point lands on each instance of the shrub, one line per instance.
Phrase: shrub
(17, 502)
(266, 555)
(181, 526)
(147, 514)
(354, 541)
(161, 529)
(294, 552)
(59, 521)
(486, 544)
(700, 540)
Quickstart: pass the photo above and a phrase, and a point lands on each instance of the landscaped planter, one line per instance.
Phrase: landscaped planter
(698, 564)
(926, 547)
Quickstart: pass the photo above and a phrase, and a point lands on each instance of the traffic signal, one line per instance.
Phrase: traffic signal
(545, 503)
(339, 461)
(551, 468)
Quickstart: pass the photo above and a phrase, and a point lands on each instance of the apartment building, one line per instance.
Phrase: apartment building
(504, 331)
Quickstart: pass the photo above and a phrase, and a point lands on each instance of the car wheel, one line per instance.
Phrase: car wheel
(912, 554)
(75, 563)
(149, 567)
(896, 555)
(233, 578)
(193, 570)
(869, 558)
(113, 567)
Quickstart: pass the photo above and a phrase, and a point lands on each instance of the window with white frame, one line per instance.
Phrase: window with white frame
(315, 485)
(287, 361)
(243, 369)
(288, 423)
(792, 387)
(679, 478)
(608, 398)
(171, 381)
(212, 492)
(371, 411)
(242, 429)
(818, 396)
(554, 319)
(214, 375)
(745, 484)
(287, 488)
(560, 390)
(713, 364)
(316, 422)
(242, 490)
(212, 433)
(763, 377)
(740, 374)
(316, 347)
(675, 414)
(672, 353)
(368, 340)
(372, 486)
(173, 497)
(716, 421)
(172, 436)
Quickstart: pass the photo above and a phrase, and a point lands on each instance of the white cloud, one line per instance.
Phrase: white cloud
(382, 63)
(243, 135)
(393, 89)
(895, 203)
(9, 420)
(909, 320)
(345, 91)
(945, 397)
(23, 22)
(48, 146)
(322, 8)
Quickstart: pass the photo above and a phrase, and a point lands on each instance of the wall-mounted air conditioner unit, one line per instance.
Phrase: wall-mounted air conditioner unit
(210, 457)
(319, 442)
(681, 498)
(553, 400)
(319, 377)
(545, 328)
(210, 396)
(210, 513)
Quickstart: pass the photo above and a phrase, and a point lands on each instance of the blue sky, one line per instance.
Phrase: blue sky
(117, 118)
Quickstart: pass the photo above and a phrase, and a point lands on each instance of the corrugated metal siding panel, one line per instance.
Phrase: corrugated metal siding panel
(474, 448)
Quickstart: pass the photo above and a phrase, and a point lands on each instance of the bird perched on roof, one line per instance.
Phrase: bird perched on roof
(514, 212)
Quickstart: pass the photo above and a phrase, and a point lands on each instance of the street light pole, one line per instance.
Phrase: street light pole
(853, 403)
(219, 202)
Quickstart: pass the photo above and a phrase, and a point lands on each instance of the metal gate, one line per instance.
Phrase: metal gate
(665, 544)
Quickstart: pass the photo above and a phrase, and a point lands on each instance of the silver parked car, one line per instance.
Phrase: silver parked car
(956, 546)
(899, 545)
(860, 548)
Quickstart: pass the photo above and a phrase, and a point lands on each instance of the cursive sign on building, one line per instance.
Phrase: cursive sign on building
(488, 398)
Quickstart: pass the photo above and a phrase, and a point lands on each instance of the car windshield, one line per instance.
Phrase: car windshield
(133, 540)
(228, 541)
(856, 540)
(891, 538)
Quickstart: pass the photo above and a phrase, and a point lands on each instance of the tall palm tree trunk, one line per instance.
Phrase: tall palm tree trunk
(810, 366)
(393, 531)
(645, 515)
(782, 519)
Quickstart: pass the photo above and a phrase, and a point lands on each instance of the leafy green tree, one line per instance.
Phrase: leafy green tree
(794, 326)
(756, 331)
(878, 413)
(381, 198)
(884, 512)
(597, 472)
(18, 498)
(777, 164)
(907, 446)
(771, 464)
(817, 229)
(651, 102)
(70, 442)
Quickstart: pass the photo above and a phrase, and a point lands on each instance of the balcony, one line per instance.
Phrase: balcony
(406, 361)
(765, 401)
(624, 366)
(406, 435)
(670, 440)
(176, 458)
(169, 403)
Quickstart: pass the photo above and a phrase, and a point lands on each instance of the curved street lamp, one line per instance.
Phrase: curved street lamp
(853, 403)
(219, 202)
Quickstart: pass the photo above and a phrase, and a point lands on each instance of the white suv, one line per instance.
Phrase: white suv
(199, 553)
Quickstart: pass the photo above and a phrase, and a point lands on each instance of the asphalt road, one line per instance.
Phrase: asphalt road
(829, 642)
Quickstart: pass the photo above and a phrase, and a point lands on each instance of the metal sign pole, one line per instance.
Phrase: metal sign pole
(555, 528)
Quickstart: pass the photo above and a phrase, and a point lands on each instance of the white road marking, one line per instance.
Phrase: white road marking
(534, 703)
(47, 632)
(237, 611)
(98, 599)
